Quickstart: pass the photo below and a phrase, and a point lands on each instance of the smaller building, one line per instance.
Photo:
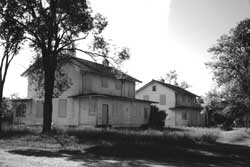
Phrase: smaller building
(180, 105)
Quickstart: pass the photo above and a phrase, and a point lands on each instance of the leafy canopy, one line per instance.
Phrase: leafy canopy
(231, 67)
(171, 77)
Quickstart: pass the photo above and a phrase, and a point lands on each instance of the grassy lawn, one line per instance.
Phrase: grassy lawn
(149, 148)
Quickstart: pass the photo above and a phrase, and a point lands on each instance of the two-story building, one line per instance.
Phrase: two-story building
(179, 104)
(100, 95)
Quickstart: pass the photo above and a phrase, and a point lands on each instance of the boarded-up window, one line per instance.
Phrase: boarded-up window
(92, 107)
(62, 108)
(115, 109)
(104, 82)
(146, 113)
(184, 115)
(131, 90)
(118, 85)
(39, 109)
(162, 99)
(145, 97)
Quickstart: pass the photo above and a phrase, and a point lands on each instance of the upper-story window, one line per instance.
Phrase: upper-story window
(162, 99)
(154, 88)
(184, 115)
(104, 82)
(118, 85)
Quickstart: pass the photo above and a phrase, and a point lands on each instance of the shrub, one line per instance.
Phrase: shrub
(157, 118)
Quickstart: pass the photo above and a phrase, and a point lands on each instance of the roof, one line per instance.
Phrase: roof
(97, 68)
(104, 70)
(110, 96)
(21, 100)
(186, 107)
(174, 88)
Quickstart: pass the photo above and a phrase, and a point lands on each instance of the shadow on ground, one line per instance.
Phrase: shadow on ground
(195, 155)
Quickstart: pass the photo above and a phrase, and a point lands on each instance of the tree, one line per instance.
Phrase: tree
(157, 117)
(231, 68)
(11, 36)
(172, 78)
(36, 76)
(53, 27)
(213, 106)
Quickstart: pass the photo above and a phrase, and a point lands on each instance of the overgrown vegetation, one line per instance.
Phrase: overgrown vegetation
(177, 145)
(146, 137)
(113, 136)
(157, 118)
(230, 64)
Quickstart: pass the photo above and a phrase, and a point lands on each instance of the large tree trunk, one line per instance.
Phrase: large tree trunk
(49, 77)
(1, 101)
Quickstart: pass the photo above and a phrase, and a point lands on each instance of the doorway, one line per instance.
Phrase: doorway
(105, 114)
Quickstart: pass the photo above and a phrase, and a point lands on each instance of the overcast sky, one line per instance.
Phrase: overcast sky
(162, 35)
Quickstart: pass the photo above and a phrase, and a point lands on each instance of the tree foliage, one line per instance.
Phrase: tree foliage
(231, 68)
(11, 37)
(36, 76)
(172, 78)
(157, 117)
(52, 27)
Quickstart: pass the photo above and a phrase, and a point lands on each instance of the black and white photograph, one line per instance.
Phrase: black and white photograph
(124, 83)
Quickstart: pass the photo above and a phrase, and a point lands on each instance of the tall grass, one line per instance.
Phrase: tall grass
(168, 137)
(142, 137)
(17, 132)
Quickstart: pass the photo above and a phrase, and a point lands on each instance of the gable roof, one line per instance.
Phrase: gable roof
(93, 67)
(102, 69)
(174, 88)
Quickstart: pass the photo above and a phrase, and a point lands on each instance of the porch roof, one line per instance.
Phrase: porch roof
(22, 100)
(185, 107)
(111, 96)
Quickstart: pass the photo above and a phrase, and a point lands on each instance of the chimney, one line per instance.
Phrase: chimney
(105, 62)
(162, 80)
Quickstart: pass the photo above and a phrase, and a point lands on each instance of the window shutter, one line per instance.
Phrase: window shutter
(162, 99)
(62, 109)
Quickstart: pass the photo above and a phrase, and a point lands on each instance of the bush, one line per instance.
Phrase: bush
(157, 118)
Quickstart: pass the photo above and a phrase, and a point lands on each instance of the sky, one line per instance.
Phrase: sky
(162, 35)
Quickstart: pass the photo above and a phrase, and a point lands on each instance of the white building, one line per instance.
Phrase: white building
(179, 104)
(98, 97)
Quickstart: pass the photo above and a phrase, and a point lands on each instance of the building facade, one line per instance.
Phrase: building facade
(180, 105)
(100, 95)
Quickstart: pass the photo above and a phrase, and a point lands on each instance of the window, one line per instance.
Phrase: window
(104, 83)
(162, 99)
(115, 109)
(105, 114)
(118, 85)
(145, 97)
(184, 115)
(39, 109)
(131, 90)
(153, 88)
(146, 113)
(20, 110)
(62, 109)
(92, 107)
